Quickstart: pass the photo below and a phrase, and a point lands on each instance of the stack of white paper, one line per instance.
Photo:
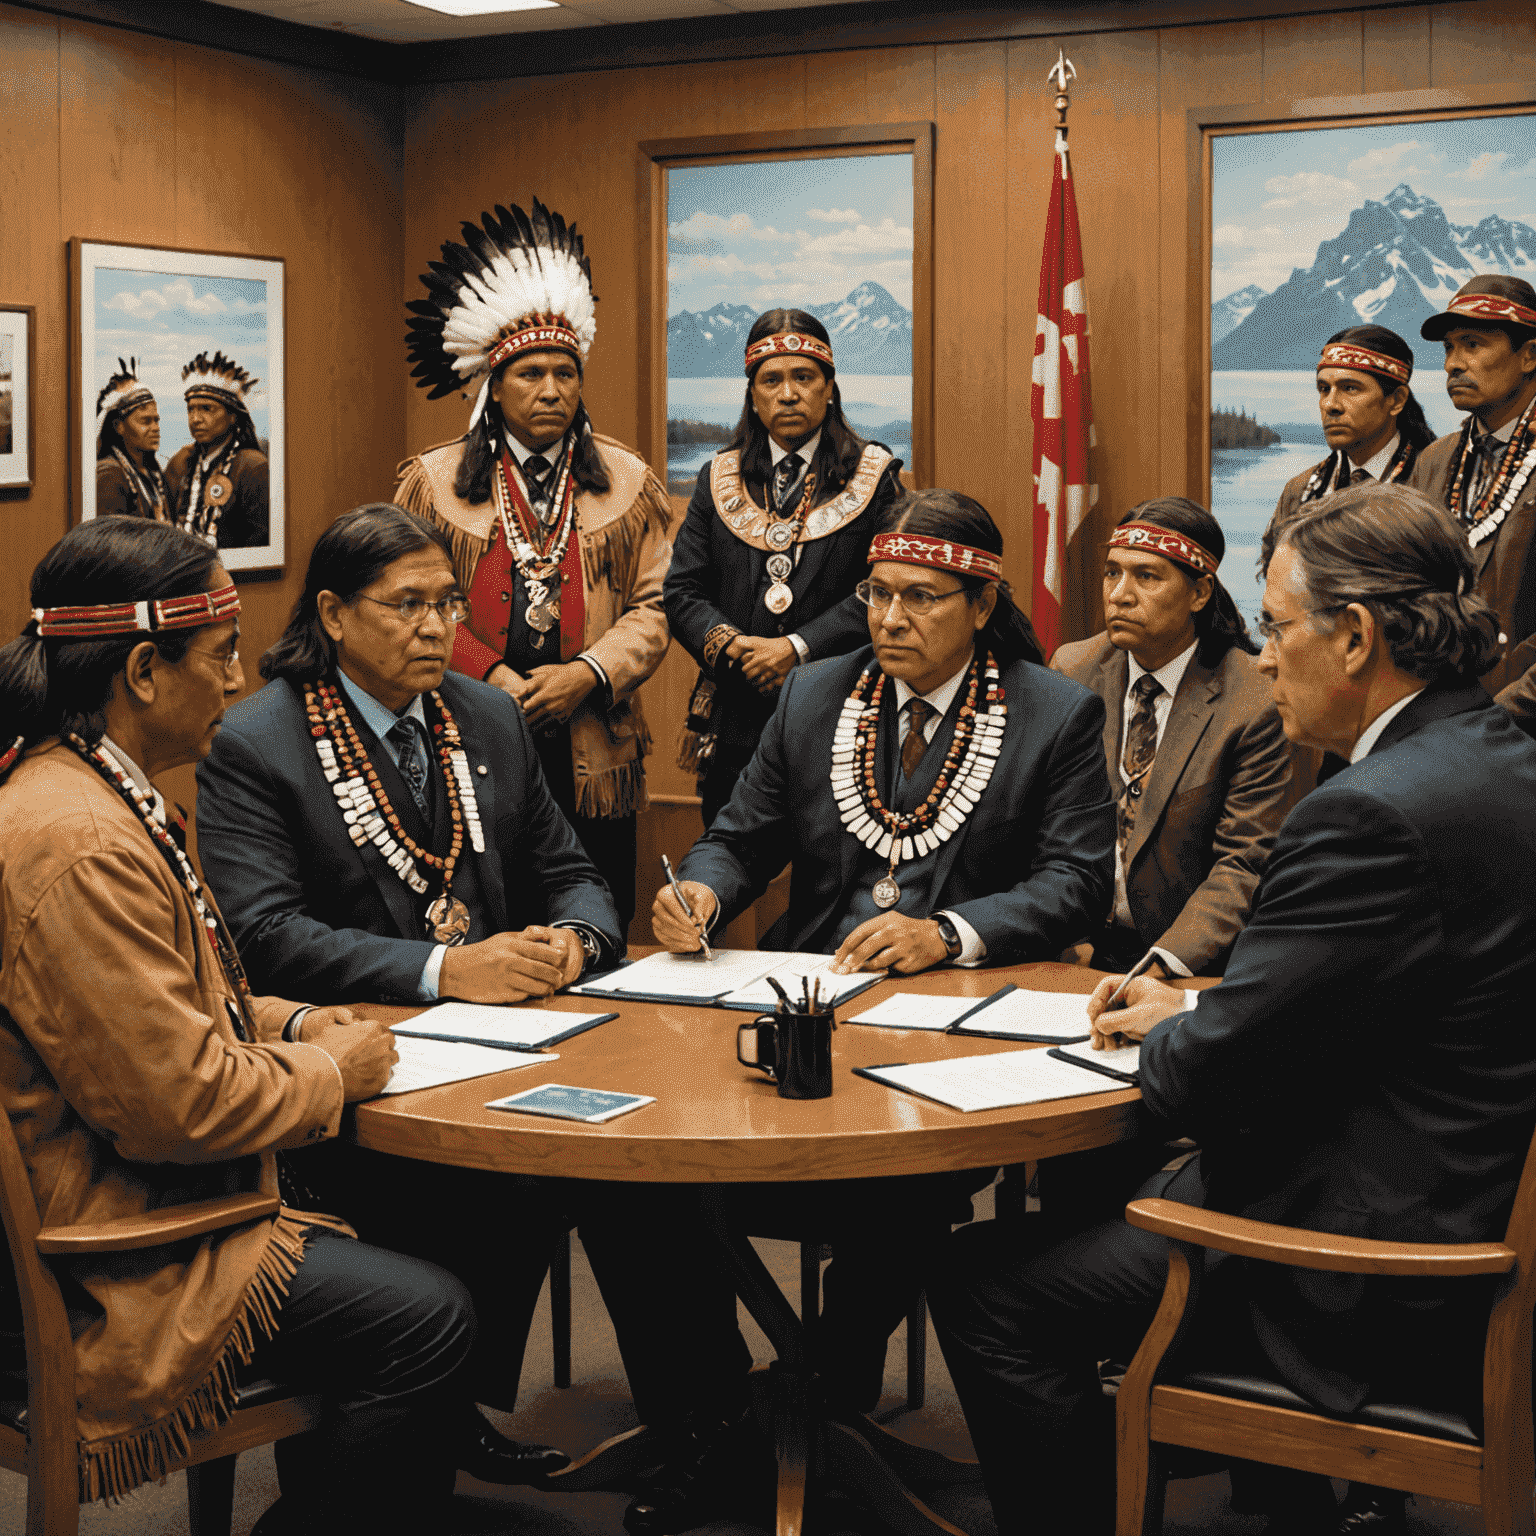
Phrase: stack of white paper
(1024, 1015)
(916, 1010)
(995, 1081)
(481, 1024)
(685, 977)
(1123, 1058)
(796, 974)
(431, 1063)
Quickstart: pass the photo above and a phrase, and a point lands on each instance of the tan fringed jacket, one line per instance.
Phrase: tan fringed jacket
(625, 553)
(129, 1091)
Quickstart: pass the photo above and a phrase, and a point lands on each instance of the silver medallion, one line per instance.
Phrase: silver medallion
(886, 892)
(779, 535)
(779, 598)
(779, 567)
(543, 616)
(448, 920)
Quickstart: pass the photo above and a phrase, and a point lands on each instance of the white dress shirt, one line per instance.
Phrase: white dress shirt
(1170, 675)
(807, 451)
(1372, 733)
(1376, 465)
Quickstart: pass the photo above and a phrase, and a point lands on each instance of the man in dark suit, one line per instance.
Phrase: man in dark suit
(1192, 739)
(1359, 1070)
(352, 861)
(992, 767)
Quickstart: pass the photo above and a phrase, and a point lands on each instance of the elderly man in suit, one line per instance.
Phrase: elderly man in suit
(377, 826)
(943, 799)
(1192, 739)
(1485, 473)
(1355, 1072)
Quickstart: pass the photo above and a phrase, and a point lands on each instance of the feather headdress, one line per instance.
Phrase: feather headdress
(521, 282)
(220, 378)
(123, 392)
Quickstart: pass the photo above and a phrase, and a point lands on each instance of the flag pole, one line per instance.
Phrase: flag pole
(1063, 74)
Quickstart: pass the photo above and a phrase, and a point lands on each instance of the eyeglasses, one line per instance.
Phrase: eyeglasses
(1270, 628)
(413, 610)
(228, 662)
(916, 602)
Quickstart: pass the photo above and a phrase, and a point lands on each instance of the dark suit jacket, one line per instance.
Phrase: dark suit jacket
(333, 921)
(1367, 1065)
(1217, 793)
(1031, 869)
(716, 579)
(1506, 575)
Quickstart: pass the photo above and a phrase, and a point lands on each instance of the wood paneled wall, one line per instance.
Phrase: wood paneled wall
(116, 136)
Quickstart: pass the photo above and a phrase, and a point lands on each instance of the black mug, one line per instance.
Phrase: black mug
(794, 1049)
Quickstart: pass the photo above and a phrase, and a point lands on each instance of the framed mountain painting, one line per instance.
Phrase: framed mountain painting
(1320, 227)
(833, 222)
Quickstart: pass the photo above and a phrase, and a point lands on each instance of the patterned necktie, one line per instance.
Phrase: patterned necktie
(785, 478)
(1490, 455)
(412, 760)
(916, 741)
(1140, 750)
(1359, 477)
(536, 472)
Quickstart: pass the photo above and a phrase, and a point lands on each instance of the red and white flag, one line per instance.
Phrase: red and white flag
(1059, 404)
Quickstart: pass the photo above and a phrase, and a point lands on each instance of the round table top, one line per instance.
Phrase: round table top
(716, 1121)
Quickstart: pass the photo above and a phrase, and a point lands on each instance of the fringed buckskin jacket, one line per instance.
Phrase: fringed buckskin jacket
(625, 553)
(129, 1090)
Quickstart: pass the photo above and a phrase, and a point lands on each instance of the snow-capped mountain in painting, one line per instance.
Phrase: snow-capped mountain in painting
(1229, 313)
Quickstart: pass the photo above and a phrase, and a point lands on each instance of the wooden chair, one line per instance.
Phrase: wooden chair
(38, 1435)
(1414, 1448)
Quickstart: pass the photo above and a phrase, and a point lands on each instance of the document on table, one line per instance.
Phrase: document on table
(431, 1063)
(1122, 1061)
(1017, 1014)
(733, 979)
(508, 1029)
(794, 974)
(995, 1081)
(918, 1010)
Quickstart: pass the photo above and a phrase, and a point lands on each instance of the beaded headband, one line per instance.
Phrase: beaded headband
(1345, 354)
(150, 615)
(123, 400)
(1164, 541)
(551, 333)
(1491, 306)
(942, 554)
(788, 344)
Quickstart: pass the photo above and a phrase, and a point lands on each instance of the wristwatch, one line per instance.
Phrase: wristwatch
(950, 934)
(591, 946)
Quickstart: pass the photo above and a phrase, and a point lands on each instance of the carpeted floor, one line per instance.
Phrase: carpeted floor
(597, 1406)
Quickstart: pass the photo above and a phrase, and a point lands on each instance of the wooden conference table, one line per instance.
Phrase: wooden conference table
(716, 1123)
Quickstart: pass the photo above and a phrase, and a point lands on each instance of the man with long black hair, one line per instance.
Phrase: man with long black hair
(1374, 427)
(766, 561)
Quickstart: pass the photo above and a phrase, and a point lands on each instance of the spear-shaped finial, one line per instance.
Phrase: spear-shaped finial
(1063, 74)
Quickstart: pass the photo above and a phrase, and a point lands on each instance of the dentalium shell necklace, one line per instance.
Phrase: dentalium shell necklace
(1504, 488)
(537, 562)
(369, 816)
(968, 765)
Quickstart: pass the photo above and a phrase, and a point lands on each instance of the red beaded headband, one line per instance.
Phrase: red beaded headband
(942, 554)
(788, 344)
(1164, 541)
(1490, 306)
(551, 333)
(1345, 354)
(92, 623)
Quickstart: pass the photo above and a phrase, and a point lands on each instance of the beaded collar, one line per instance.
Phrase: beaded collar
(148, 487)
(1483, 518)
(107, 766)
(536, 554)
(206, 499)
(1334, 472)
(370, 817)
(973, 752)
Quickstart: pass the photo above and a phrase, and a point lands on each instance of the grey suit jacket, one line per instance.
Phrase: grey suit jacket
(1220, 787)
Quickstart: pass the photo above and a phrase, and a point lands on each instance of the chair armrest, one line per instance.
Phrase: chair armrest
(1316, 1250)
(166, 1226)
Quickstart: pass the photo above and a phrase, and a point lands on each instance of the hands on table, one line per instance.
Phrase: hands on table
(764, 662)
(1147, 1003)
(548, 695)
(509, 967)
(891, 942)
(674, 929)
(363, 1049)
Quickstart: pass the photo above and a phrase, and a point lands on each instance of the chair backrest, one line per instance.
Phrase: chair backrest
(1520, 1234)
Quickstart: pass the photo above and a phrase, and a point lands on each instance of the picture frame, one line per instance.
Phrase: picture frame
(660, 157)
(1386, 138)
(166, 310)
(18, 346)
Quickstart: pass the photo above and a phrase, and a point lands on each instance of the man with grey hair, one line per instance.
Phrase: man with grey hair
(1357, 1071)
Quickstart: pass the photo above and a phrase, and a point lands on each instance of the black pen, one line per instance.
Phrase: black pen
(682, 901)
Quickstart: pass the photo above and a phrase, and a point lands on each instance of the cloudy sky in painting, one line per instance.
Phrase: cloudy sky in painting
(788, 232)
(165, 321)
(1277, 196)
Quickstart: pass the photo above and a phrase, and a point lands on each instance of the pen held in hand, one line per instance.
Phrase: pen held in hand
(1142, 966)
(682, 901)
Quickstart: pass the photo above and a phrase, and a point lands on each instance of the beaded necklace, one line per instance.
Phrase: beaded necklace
(1503, 489)
(1334, 472)
(219, 937)
(779, 535)
(369, 816)
(206, 500)
(537, 556)
(148, 488)
(967, 770)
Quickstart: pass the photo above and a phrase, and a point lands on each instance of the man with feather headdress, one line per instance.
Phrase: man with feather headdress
(218, 482)
(559, 536)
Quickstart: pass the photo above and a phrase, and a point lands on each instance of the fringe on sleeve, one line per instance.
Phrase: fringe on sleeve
(414, 492)
(611, 556)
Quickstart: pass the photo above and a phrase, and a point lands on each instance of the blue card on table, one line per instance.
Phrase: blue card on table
(593, 1105)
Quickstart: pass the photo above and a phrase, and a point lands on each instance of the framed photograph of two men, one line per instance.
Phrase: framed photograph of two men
(176, 401)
